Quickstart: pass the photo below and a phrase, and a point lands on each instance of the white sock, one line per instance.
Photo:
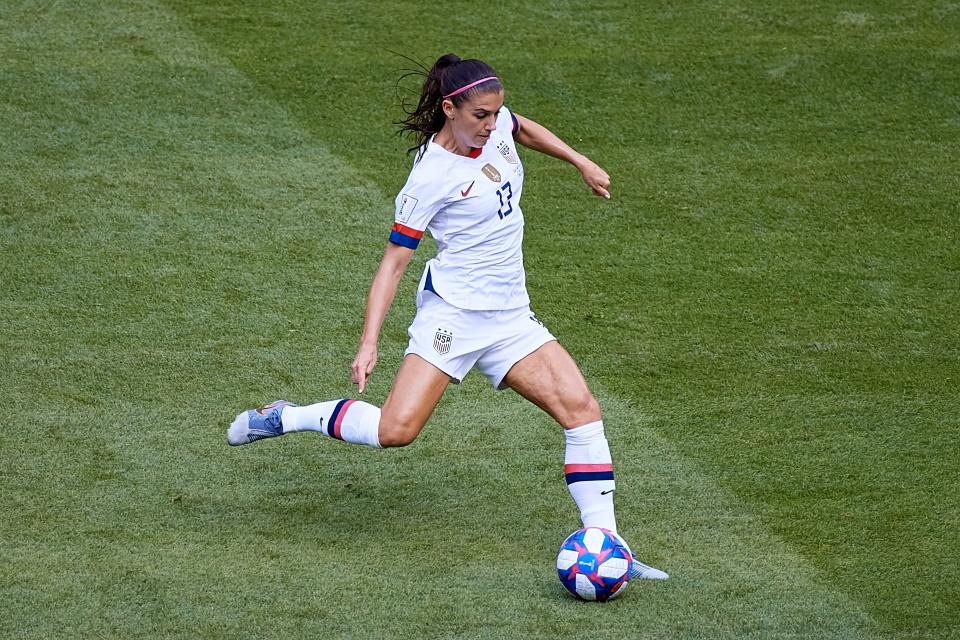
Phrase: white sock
(589, 472)
(348, 420)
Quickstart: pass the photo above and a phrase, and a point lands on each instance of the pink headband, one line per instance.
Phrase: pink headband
(470, 86)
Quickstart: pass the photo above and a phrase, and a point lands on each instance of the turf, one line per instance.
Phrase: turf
(194, 196)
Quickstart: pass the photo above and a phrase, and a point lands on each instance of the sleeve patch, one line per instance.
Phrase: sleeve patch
(407, 205)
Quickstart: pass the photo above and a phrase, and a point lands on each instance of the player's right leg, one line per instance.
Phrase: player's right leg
(410, 403)
(416, 391)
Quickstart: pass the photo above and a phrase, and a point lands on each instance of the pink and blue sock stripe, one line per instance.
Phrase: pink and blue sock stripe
(336, 418)
(588, 472)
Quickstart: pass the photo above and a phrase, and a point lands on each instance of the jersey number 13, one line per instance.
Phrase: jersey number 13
(505, 193)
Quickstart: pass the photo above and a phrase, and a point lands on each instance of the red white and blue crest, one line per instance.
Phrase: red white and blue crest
(442, 341)
(507, 152)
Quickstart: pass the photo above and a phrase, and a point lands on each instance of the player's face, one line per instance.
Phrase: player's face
(476, 118)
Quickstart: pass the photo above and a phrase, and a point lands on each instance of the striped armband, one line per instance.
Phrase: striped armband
(516, 123)
(405, 236)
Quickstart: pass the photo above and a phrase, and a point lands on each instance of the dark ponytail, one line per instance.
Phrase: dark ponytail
(447, 74)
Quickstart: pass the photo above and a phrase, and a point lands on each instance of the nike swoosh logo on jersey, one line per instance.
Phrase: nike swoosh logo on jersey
(467, 192)
(603, 493)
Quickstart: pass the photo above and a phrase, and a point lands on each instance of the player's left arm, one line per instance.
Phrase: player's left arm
(537, 137)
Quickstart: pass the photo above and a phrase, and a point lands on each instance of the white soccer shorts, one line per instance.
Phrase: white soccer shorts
(455, 340)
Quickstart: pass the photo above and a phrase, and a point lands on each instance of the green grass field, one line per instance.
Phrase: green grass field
(194, 197)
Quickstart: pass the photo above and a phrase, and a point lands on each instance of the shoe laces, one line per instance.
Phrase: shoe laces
(273, 418)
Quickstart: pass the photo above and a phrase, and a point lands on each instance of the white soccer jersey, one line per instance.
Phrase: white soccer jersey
(471, 205)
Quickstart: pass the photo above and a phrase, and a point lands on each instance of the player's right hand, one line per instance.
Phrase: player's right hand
(363, 365)
(596, 178)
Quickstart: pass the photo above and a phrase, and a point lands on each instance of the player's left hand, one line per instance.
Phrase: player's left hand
(596, 178)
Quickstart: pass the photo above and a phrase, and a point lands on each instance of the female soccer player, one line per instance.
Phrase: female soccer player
(472, 304)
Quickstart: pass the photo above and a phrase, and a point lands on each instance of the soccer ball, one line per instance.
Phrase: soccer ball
(594, 564)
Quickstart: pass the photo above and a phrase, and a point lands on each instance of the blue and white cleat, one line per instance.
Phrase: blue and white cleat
(640, 571)
(257, 424)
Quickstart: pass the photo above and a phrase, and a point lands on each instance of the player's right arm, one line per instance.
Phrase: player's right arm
(382, 291)
(421, 197)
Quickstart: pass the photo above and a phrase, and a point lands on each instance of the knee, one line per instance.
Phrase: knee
(582, 409)
(395, 432)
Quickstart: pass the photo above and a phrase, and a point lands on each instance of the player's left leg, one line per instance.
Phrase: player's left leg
(551, 379)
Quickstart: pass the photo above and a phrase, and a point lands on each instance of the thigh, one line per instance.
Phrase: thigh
(518, 334)
(415, 393)
(550, 379)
